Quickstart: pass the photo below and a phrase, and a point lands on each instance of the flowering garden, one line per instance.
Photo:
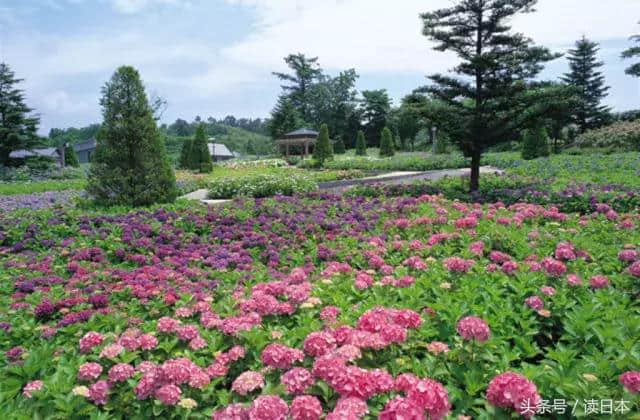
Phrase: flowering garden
(321, 306)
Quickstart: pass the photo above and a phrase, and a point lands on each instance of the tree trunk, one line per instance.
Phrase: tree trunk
(474, 181)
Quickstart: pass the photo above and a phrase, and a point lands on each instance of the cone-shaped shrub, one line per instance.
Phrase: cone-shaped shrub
(529, 146)
(542, 141)
(185, 153)
(386, 143)
(361, 144)
(201, 158)
(130, 166)
(323, 150)
(70, 157)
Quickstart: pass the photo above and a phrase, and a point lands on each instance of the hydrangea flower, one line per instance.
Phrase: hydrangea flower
(89, 371)
(306, 407)
(247, 382)
(514, 391)
(631, 381)
(473, 328)
(32, 387)
(268, 407)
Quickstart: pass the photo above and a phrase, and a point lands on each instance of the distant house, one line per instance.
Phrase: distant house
(219, 152)
(85, 150)
(48, 152)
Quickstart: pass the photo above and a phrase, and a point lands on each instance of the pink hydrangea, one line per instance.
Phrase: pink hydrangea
(167, 325)
(457, 264)
(437, 347)
(631, 381)
(32, 387)
(147, 384)
(514, 391)
(247, 382)
(477, 248)
(599, 282)
(280, 356)
(554, 267)
(268, 407)
(89, 371)
(129, 342)
(329, 314)
(473, 328)
(574, 280)
(187, 332)
(297, 380)
(548, 290)
(499, 257)
(509, 267)
(232, 412)
(217, 370)
(112, 351)
(432, 397)
(349, 408)
(99, 392)
(197, 343)
(147, 342)
(89, 341)
(199, 379)
(405, 382)
(319, 343)
(306, 407)
(634, 269)
(121, 372)
(363, 280)
(168, 394)
(534, 302)
(628, 255)
(401, 408)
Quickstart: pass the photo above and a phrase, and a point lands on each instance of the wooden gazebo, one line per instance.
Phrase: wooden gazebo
(299, 139)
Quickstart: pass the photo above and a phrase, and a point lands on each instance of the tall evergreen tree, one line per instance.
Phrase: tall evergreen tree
(251, 148)
(130, 166)
(18, 127)
(589, 83)
(375, 108)
(200, 156)
(361, 144)
(284, 118)
(386, 143)
(634, 69)
(185, 153)
(323, 150)
(305, 73)
(338, 147)
(495, 64)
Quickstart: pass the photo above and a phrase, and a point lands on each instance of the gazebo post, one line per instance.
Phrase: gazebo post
(306, 149)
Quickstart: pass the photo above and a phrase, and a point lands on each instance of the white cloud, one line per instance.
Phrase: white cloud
(383, 36)
(135, 6)
(60, 101)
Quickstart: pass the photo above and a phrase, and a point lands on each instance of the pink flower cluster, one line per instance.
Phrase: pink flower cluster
(511, 390)
(89, 341)
(306, 407)
(32, 387)
(599, 282)
(268, 407)
(631, 381)
(423, 396)
(458, 265)
(297, 380)
(554, 267)
(89, 371)
(247, 382)
(473, 328)
(280, 356)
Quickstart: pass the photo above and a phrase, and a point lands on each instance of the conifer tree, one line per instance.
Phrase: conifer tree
(489, 97)
(18, 127)
(323, 150)
(361, 144)
(585, 77)
(338, 147)
(185, 153)
(130, 166)
(542, 142)
(634, 69)
(529, 145)
(386, 143)
(70, 157)
(200, 156)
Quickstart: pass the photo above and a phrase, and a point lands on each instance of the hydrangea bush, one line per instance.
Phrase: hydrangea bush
(322, 306)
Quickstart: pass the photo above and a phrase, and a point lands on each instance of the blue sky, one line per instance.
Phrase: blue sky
(215, 57)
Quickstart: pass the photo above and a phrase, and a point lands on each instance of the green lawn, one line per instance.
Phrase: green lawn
(14, 188)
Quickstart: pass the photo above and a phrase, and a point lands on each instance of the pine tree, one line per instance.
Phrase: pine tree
(323, 151)
(489, 96)
(589, 83)
(338, 147)
(185, 153)
(361, 144)
(18, 129)
(251, 149)
(542, 142)
(634, 69)
(70, 157)
(284, 118)
(529, 145)
(386, 143)
(306, 72)
(200, 156)
(130, 166)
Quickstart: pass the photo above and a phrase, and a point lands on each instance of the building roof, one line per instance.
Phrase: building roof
(50, 152)
(220, 150)
(86, 145)
(302, 132)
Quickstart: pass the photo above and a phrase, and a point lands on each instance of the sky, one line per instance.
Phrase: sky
(215, 57)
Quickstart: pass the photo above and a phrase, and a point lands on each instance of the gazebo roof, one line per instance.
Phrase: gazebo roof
(303, 132)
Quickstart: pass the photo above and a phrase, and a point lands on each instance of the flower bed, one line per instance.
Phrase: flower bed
(326, 305)
(259, 186)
